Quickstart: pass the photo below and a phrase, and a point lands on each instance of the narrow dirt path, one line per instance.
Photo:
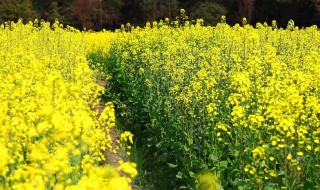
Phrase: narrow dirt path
(111, 157)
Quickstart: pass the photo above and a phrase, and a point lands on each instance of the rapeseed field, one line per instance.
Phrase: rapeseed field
(223, 107)
(51, 137)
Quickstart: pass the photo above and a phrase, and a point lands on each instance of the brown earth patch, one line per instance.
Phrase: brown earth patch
(111, 157)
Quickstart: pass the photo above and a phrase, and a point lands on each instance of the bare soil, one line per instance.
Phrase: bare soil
(111, 158)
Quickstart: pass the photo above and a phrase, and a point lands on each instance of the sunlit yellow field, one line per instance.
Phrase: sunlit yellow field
(51, 137)
(241, 102)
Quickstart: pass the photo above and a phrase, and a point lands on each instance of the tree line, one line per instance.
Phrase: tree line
(110, 14)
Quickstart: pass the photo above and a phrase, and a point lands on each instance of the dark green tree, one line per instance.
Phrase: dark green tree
(51, 10)
(154, 10)
(304, 13)
(209, 11)
(12, 10)
(110, 15)
(97, 14)
(54, 12)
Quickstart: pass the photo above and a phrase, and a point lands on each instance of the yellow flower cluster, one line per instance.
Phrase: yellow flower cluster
(248, 95)
(50, 133)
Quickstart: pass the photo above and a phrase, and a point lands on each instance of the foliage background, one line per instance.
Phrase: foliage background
(110, 14)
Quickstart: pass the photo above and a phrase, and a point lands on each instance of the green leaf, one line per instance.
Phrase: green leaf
(190, 140)
(179, 175)
(213, 158)
(270, 186)
(192, 174)
(223, 164)
(282, 172)
(172, 165)
(236, 153)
